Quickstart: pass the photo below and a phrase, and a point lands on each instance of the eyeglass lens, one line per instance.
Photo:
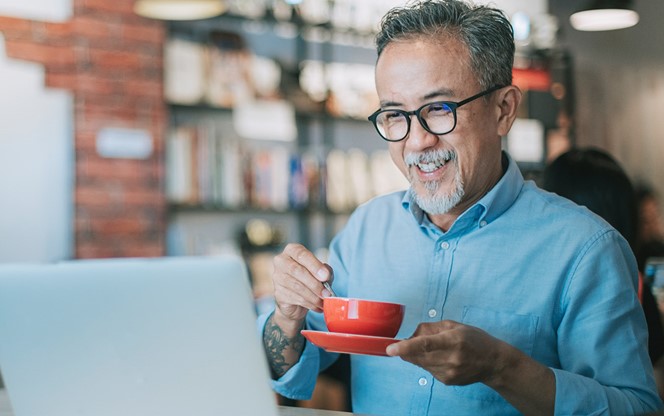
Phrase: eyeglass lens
(436, 117)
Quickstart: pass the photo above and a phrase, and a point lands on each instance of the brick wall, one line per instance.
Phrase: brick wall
(111, 60)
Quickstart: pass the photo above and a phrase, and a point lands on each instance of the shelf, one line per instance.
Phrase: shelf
(203, 27)
(221, 209)
(202, 107)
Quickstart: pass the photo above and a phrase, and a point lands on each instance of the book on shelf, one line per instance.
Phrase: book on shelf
(204, 168)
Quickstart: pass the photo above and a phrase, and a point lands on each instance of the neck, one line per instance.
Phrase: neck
(446, 220)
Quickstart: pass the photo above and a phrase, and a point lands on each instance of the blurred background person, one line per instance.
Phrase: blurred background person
(594, 179)
(650, 231)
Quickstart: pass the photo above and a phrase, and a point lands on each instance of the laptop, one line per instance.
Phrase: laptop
(166, 336)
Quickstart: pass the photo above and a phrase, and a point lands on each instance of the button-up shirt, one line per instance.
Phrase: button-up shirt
(527, 266)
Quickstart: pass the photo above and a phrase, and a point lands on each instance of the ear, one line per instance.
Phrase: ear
(508, 102)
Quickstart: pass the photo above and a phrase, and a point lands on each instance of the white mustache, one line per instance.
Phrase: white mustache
(412, 159)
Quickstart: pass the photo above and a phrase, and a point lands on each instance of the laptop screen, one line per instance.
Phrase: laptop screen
(167, 336)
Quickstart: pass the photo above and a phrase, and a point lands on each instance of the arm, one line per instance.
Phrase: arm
(283, 344)
(601, 363)
(297, 277)
(458, 354)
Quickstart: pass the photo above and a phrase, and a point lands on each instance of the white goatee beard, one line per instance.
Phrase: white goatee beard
(429, 200)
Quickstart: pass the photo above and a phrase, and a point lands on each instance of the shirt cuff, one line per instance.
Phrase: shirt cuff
(579, 395)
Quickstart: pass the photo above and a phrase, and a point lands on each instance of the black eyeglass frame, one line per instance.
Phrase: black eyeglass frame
(453, 105)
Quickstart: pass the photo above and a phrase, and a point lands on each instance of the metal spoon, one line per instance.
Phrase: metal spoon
(327, 286)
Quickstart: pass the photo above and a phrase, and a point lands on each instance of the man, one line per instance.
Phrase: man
(517, 301)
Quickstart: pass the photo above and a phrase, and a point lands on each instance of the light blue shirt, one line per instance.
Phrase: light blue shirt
(528, 267)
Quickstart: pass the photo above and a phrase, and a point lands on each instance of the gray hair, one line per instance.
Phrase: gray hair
(485, 31)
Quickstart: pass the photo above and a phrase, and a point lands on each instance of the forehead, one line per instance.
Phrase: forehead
(422, 64)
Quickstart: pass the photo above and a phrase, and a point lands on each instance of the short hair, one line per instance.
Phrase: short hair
(593, 178)
(486, 32)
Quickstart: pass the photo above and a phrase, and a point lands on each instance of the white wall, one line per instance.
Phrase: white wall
(48, 10)
(619, 87)
(36, 165)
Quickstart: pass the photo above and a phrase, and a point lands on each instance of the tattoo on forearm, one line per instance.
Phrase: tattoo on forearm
(276, 343)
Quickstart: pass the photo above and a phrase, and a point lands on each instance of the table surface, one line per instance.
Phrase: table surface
(6, 410)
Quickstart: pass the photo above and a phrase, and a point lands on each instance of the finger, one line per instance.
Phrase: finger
(294, 282)
(416, 346)
(430, 328)
(305, 264)
(308, 260)
(426, 339)
(290, 291)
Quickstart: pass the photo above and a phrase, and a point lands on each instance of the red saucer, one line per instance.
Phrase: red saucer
(349, 343)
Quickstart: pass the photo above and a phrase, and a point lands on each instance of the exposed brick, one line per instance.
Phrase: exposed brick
(132, 171)
(146, 88)
(55, 31)
(93, 196)
(12, 24)
(65, 80)
(105, 60)
(144, 32)
(93, 84)
(54, 56)
(151, 197)
(130, 226)
(111, 60)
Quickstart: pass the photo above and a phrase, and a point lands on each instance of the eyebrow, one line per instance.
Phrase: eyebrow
(430, 96)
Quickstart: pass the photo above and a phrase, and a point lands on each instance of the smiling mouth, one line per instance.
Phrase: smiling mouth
(431, 161)
(431, 166)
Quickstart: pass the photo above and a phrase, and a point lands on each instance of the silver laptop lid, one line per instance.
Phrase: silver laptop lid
(168, 336)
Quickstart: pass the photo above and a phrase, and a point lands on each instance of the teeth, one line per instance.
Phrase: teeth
(429, 167)
(430, 161)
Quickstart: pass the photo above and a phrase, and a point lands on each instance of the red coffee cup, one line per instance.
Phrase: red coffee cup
(362, 316)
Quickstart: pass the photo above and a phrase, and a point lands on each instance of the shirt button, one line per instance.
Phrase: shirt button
(422, 381)
(444, 245)
(432, 313)
(483, 223)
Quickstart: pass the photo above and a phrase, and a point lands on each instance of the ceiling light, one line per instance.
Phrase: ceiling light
(179, 9)
(605, 15)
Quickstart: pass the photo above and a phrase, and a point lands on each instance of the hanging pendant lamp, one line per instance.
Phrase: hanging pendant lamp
(179, 9)
(605, 15)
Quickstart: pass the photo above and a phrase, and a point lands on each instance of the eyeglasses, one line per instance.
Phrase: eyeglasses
(437, 118)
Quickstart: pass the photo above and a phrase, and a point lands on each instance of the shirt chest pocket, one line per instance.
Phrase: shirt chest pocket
(517, 330)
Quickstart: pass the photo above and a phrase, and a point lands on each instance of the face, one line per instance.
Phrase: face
(447, 173)
(651, 223)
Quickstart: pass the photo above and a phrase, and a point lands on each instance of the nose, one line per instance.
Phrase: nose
(419, 138)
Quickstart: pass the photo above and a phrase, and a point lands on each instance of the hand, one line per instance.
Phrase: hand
(297, 278)
(454, 353)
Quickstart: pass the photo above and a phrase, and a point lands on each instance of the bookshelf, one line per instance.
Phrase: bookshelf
(268, 122)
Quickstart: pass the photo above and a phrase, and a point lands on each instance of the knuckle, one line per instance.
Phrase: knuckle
(293, 268)
(294, 249)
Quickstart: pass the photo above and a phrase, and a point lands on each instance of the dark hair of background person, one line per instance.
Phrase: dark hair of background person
(593, 178)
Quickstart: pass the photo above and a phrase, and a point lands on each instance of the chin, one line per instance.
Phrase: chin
(435, 201)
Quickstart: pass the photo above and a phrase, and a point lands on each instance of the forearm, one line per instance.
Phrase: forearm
(528, 385)
(283, 344)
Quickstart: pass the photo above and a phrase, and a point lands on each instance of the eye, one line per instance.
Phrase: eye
(392, 116)
(440, 108)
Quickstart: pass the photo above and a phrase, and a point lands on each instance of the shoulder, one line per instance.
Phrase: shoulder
(378, 212)
(386, 204)
(564, 212)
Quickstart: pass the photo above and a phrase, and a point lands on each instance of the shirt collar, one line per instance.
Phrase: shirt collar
(488, 208)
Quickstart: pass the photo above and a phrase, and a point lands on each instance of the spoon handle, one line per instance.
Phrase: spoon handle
(329, 288)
